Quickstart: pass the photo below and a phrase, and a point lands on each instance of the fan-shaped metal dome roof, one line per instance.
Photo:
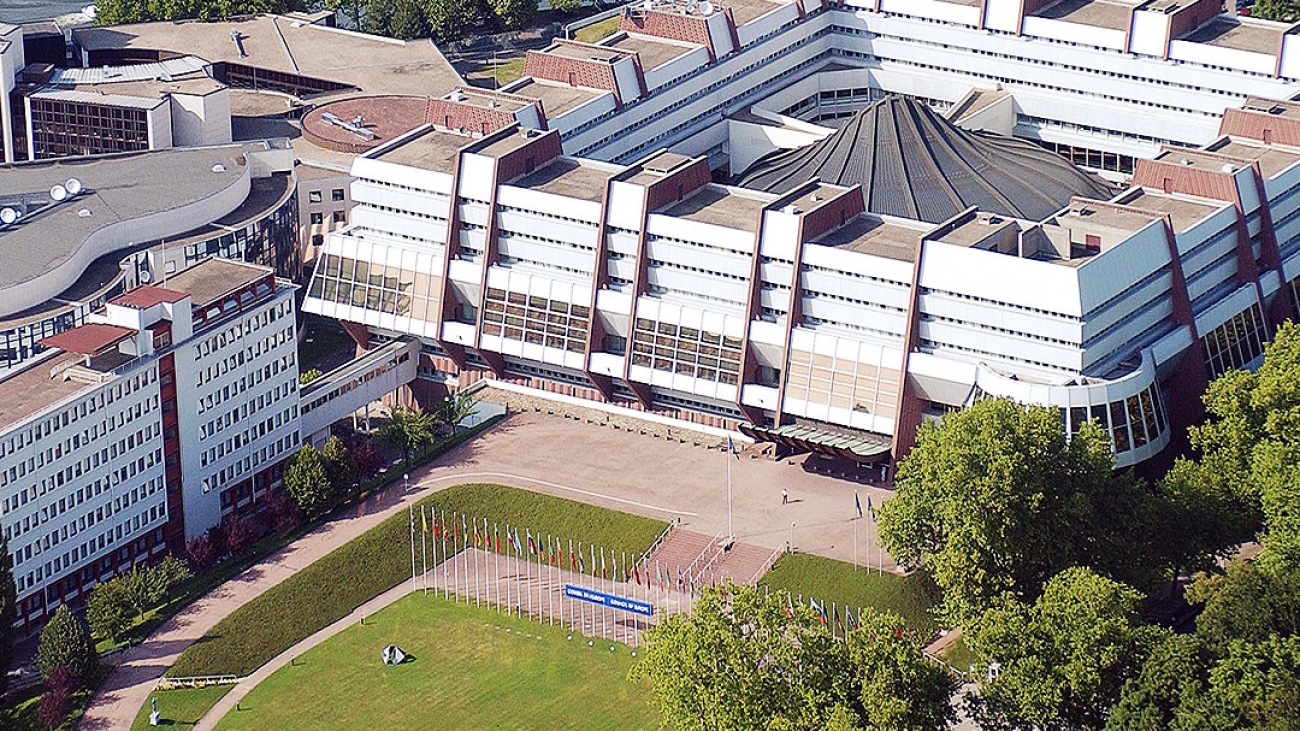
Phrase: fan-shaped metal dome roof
(913, 163)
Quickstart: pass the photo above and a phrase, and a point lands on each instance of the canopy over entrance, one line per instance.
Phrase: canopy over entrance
(861, 448)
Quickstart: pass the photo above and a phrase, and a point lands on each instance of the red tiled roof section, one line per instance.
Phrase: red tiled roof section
(147, 296)
(454, 115)
(674, 26)
(88, 339)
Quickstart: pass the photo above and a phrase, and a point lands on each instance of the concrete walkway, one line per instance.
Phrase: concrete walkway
(596, 464)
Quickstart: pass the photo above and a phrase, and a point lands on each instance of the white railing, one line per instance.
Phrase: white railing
(196, 681)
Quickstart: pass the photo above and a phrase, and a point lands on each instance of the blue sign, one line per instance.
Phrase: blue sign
(645, 609)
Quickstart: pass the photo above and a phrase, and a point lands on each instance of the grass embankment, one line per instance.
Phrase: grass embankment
(828, 580)
(472, 669)
(597, 31)
(492, 73)
(334, 585)
(180, 708)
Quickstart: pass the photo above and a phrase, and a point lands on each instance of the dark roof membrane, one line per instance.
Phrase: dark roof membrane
(913, 163)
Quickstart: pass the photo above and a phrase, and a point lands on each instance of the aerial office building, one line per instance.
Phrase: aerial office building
(803, 317)
(140, 428)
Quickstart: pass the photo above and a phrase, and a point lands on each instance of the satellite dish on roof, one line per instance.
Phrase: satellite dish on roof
(58, 194)
(706, 8)
(74, 186)
(8, 215)
(692, 5)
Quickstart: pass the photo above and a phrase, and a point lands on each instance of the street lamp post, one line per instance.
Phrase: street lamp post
(791, 536)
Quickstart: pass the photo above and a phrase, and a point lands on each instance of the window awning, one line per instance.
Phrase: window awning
(857, 448)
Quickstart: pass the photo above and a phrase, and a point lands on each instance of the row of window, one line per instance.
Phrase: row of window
(685, 350)
(552, 323)
(1236, 342)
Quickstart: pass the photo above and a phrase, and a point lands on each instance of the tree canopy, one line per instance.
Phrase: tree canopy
(65, 643)
(116, 12)
(1286, 11)
(407, 429)
(994, 498)
(1060, 662)
(744, 661)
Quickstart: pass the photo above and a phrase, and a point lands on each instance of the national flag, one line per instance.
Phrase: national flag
(636, 574)
(835, 616)
(497, 538)
(455, 530)
(532, 547)
(731, 447)
(550, 550)
(604, 570)
(898, 633)
(573, 557)
(871, 508)
(559, 553)
(820, 609)
(848, 619)
(659, 573)
(582, 567)
(424, 521)
(614, 560)
(857, 503)
(478, 540)
(514, 538)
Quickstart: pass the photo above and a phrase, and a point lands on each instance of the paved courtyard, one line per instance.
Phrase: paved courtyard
(663, 479)
(639, 474)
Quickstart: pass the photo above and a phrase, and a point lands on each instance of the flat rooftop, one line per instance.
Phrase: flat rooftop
(1276, 107)
(746, 10)
(31, 390)
(1098, 13)
(979, 228)
(721, 206)
(1084, 216)
(116, 188)
(569, 176)
(290, 45)
(1241, 35)
(583, 51)
(869, 234)
(556, 99)
(654, 167)
(434, 150)
(1196, 159)
(1183, 212)
(486, 99)
(504, 144)
(1272, 159)
(973, 102)
(196, 85)
(212, 279)
(652, 51)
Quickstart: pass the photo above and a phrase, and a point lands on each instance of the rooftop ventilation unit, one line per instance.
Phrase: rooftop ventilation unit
(239, 42)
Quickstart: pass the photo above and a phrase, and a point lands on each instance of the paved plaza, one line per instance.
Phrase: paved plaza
(640, 474)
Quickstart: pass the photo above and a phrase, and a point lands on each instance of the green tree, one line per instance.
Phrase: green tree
(566, 6)
(994, 498)
(899, 688)
(1060, 663)
(407, 429)
(307, 482)
(351, 10)
(1168, 692)
(65, 643)
(108, 609)
(171, 571)
(144, 589)
(1249, 602)
(113, 12)
(409, 20)
(1251, 442)
(1256, 686)
(741, 661)
(513, 14)
(454, 409)
(1285, 11)
(339, 467)
(8, 612)
(449, 19)
(308, 376)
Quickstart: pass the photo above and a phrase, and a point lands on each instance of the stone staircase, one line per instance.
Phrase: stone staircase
(681, 553)
(745, 564)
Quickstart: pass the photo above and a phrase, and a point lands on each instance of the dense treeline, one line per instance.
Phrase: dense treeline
(443, 20)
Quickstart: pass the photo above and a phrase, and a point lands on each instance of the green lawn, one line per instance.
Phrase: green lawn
(828, 580)
(473, 669)
(959, 655)
(333, 586)
(181, 708)
(597, 31)
(492, 74)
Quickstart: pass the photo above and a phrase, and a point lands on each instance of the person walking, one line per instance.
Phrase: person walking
(785, 496)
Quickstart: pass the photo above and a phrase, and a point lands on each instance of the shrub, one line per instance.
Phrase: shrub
(201, 553)
(239, 535)
(56, 701)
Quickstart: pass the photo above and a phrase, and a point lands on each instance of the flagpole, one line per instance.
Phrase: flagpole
(424, 546)
(731, 533)
(410, 509)
(855, 545)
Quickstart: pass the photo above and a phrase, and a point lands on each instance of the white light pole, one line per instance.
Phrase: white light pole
(792, 536)
(731, 532)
